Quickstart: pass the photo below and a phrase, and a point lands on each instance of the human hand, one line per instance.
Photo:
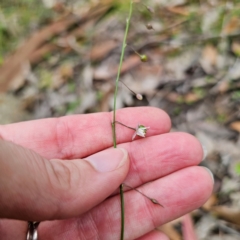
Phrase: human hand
(43, 184)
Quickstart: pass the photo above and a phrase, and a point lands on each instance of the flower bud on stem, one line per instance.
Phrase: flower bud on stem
(153, 200)
(140, 130)
(143, 57)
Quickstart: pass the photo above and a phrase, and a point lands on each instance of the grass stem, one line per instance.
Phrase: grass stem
(119, 72)
(114, 107)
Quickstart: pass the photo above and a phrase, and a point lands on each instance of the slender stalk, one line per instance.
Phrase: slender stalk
(134, 50)
(114, 108)
(153, 200)
(134, 129)
(143, 58)
(119, 71)
(128, 88)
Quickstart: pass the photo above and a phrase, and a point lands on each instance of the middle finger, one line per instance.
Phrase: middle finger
(158, 156)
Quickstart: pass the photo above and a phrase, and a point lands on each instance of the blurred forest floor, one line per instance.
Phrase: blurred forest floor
(61, 57)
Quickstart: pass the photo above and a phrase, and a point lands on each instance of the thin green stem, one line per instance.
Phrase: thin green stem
(114, 107)
(119, 71)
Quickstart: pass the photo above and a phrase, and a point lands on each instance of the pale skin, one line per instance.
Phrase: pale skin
(53, 182)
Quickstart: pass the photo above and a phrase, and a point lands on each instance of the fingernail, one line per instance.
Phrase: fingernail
(205, 152)
(210, 173)
(108, 160)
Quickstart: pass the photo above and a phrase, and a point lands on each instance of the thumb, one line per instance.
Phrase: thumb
(35, 189)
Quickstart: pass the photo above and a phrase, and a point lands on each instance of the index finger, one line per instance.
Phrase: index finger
(79, 136)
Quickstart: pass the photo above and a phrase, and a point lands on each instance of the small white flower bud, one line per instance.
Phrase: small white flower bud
(139, 96)
(141, 131)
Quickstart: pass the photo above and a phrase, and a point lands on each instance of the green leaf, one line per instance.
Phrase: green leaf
(237, 168)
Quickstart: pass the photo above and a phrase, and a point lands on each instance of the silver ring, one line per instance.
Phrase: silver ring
(32, 231)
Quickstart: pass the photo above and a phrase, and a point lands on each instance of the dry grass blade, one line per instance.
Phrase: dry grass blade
(229, 214)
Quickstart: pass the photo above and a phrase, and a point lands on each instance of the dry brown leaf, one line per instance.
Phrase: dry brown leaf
(61, 75)
(170, 231)
(235, 126)
(209, 58)
(39, 54)
(232, 26)
(66, 71)
(63, 44)
(11, 67)
(223, 87)
(210, 202)
(210, 53)
(229, 214)
(179, 10)
(99, 51)
(191, 97)
(19, 79)
(174, 97)
(60, 8)
(236, 48)
(128, 64)
(144, 70)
